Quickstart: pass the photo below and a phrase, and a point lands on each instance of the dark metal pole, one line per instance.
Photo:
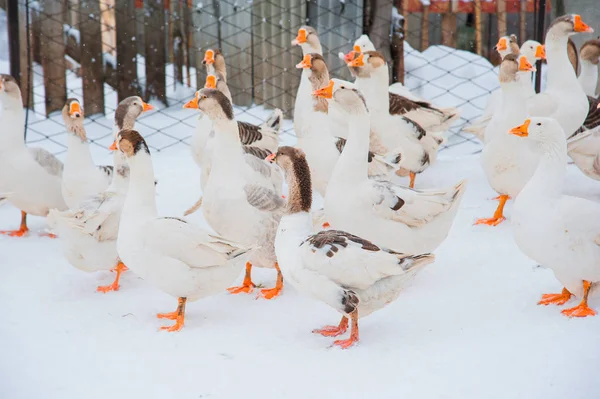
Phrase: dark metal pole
(12, 14)
(540, 31)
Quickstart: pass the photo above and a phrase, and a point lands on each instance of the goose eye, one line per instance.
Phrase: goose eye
(539, 124)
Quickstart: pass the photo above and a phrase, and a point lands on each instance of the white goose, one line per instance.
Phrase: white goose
(32, 176)
(352, 275)
(393, 216)
(507, 162)
(394, 132)
(180, 259)
(81, 177)
(321, 147)
(558, 231)
(235, 172)
(89, 232)
(308, 40)
(589, 58)
(564, 99)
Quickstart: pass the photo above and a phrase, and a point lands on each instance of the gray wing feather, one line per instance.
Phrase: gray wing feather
(48, 161)
(258, 165)
(263, 198)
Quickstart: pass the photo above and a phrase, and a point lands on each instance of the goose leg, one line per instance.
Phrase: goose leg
(178, 316)
(333, 331)
(412, 175)
(23, 229)
(498, 215)
(346, 343)
(115, 285)
(247, 286)
(556, 299)
(581, 310)
(270, 293)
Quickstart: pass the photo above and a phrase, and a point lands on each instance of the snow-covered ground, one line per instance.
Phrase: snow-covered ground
(467, 328)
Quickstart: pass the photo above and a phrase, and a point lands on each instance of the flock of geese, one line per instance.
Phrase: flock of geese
(354, 140)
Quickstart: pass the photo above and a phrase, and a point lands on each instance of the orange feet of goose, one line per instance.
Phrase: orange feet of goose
(498, 215)
(115, 285)
(333, 331)
(23, 229)
(412, 179)
(270, 293)
(346, 343)
(247, 286)
(555, 299)
(581, 310)
(178, 316)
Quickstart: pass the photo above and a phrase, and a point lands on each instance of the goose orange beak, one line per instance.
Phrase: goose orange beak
(209, 57)
(271, 157)
(113, 146)
(350, 56)
(300, 38)
(581, 26)
(193, 103)
(75, 109)
(521, 131)
(325, 92)
(147, 107)
(540, 52)
(502, 44)
(525, 66)
(305, 63)
(358, 61)
(211, 82)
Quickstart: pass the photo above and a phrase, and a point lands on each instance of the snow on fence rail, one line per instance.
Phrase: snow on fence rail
(104, 51)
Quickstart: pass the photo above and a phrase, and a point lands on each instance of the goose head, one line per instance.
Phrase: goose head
(216, 81)
(366, 64)
(568, 25)
(364, 43)
(308, 40)
(131, 143)
(10, 92)
(507, 45)
(73, 117)
(128, 111)
(590, 51)
(513, 64)
(315, 63)
(297, 174)
(533, 50)
(543, 133)
(213, 103)
(344, 95)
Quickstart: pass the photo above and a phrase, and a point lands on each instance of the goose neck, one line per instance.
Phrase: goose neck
(141, 196)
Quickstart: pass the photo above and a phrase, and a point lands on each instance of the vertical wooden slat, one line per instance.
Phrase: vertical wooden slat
(297, 18)
(288, 67)
(269, 91)
(189, 39)
(277, 60)
(478, 39)
(501, 13)
(449, 26)
(26, 58)
(91, 57)
(523, 21)
(259, 44)
(156, 56)
(36, 33)
(379, 27)
(425, 28)
(398, 45)
(126, 50)
(53, 55)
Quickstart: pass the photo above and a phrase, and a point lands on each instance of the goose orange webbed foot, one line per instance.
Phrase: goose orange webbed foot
(270, 293)
(498, 215)
(490, 221)
(15, 233)
(581, 310)
(120, 268)
(347, 343)
(333, 331)
(555, 299)
(178, 316)
(247, 286)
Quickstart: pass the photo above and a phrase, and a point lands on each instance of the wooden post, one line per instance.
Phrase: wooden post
(398, 45)
(478, 39)
(36, 34)
(126, 50)
(501, 12)
(156, 56)
(523, 21)
(26, 58)
(53, 55)
(425, 28)
(449, 26)
(258, 54)
(189, 38)
(91, 57)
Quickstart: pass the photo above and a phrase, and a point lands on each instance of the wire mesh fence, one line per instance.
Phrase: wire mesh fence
(101, 51)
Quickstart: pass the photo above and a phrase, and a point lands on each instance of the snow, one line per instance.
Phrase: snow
(467, 328)
(73, 32)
